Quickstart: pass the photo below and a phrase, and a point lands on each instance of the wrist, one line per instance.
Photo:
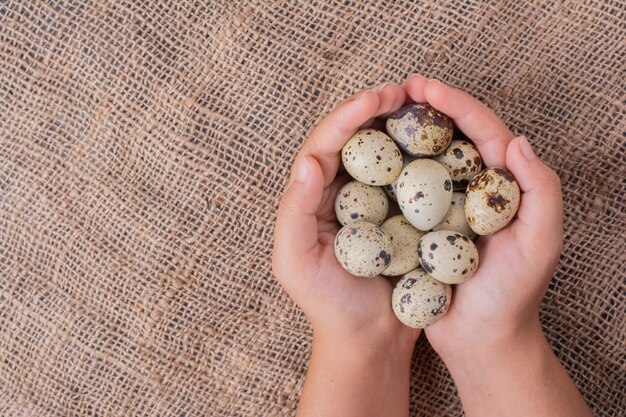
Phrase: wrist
(473, 340)
(522, 345)
(385, 334)
(357, 375)
(370, 343)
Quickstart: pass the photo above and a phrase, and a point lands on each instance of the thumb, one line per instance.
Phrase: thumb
(540, 215)
(296, 234)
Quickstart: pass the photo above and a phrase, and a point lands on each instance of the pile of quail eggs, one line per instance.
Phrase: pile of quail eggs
(446, 199)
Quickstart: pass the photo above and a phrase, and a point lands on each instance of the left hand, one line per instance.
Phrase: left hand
(500, 303)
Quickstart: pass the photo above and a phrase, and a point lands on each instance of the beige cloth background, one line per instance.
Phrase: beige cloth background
(143, 149)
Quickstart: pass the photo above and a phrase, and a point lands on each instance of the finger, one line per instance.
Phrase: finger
(490, 135)
(540, 215)
(414, 86)
(391, 98)
(295, 234)
(338, 126)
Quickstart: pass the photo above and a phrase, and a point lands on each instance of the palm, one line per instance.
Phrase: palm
(511, 279)
(482, 300)
(358, 300)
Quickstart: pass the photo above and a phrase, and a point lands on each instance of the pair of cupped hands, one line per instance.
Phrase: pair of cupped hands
(498, 304)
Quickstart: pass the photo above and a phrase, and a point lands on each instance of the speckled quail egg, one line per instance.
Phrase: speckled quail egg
(491, 200)
(370, 156)
(448, 256)
(418, 300)
(462, 160)
(357, 201)
(404, 238)
(455, 218)
(363, 249)
(390, 189)
(420, 130)
(424, 193)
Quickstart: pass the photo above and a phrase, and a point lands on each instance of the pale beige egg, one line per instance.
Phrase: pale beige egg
(462, 161)
(357, 201)
(419, 300)
(363, 249)
(371, 157)
(404, 238)
(455, 218)
(448, 256)
(424, 193)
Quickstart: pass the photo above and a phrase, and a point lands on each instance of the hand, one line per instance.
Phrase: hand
(491, 339)
(502, 299)
(337, 303)
(361, 358)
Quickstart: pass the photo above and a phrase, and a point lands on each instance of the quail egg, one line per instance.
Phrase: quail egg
(491, 200)
(419, 300)
(462, 161)
(390, 189)
(357, 201)
(363, 249)
(404, 238)
(420, 129)
(455, 218)
(448, 256)
(371, 157)
(424, 193)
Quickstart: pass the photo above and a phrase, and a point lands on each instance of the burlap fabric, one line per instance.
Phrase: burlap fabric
(144, 147)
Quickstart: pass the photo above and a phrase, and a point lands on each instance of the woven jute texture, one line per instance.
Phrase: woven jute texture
(144, 147)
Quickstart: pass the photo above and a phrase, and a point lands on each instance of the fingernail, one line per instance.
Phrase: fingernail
(379, 88)
(415, 75)
(434, 81)
(525, 148)
(303, 170)
(362, 94)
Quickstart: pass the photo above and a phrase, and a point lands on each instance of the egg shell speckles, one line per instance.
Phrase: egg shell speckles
(455, 218)
(462, 161)
(448, 256)
(491, 200)
(418, 300)
(371, 157)
(390, 189)
(357, 201)
(420, 129)
(424, 193)
(363, 249)
(404, 238)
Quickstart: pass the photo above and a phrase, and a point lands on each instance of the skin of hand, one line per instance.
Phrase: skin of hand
(360, 364)
(491, 339)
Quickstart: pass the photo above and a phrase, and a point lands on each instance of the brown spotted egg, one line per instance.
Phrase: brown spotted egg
(462, 161)
(455, 218)
(390, 189)
(371, 157)
(357, 201)
(418, 300)
(448, 256)
(363, 249)
(404, 238)
(420, 130)
(491, 200)
(424, 193)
